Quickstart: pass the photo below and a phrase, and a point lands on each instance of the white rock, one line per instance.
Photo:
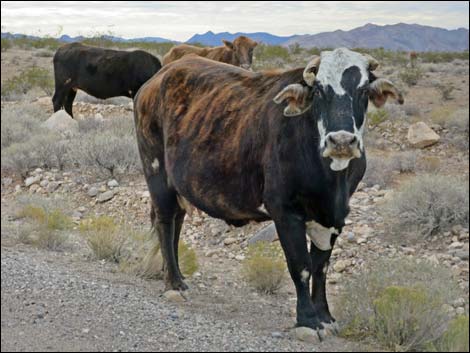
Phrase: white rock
(113, 183)
(105, 196)
(32, 180)
(307, 334)
(342, 265)
(230, 241)
(174, 296)
(421, 135)
(61, 122)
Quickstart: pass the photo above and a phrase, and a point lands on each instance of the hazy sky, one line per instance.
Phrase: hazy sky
(180, 20)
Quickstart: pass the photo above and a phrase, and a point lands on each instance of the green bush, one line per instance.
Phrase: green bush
(361, 291)
(456, 337)
(264, 267)
(104, 237)
(377, 116)
(429, 204)
(187, 259)
(26, 80)
(407, 319)
(6, 44)
(411, 75)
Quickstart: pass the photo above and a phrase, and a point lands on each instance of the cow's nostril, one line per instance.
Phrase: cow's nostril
(331, 140)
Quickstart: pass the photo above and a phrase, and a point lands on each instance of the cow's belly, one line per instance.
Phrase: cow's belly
(220, 192)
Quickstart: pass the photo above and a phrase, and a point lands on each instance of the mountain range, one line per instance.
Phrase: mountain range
(399, 36)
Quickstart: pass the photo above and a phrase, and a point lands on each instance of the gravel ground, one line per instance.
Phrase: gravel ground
(63, 302)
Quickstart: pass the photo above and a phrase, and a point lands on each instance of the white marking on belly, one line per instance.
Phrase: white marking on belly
(263, 209)
(155, 164)
(320, 235)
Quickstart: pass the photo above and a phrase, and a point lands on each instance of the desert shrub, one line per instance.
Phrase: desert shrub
(264, 267)
(26, 80)
(187, 259)
(380, 171)
(405, 162)
(411, 75)
(407, 319)
(428, 204)
(441, 57)
(377, 116)
(441, 114)
(44, 53)
(374, 302)
(104, 237)
(6, 44)
(446, 91)
(47, 224)
(456, 337)
(106, 153)
(411, 109)
(45, 150)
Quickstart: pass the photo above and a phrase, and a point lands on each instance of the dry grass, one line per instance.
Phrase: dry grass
(264, 267)
(456, 338)
(429, 204)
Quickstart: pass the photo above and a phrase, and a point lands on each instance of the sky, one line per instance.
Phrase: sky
(179, 20)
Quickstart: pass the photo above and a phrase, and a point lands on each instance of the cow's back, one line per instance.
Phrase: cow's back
(213, 120)
(178, 51)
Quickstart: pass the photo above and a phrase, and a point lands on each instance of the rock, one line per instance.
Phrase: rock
(99, 117)
(342, 265)
(276, 334)
(230, 241)
(421, 135)
(34, 187)
(7, 181)
(44, 101)
(268, 234)
(44, 183)
(32, 180)
(456, 230)
(240, 257)
(81, 209)
(17, 188)
(460, 311)
(462, 254)
(130, 106)
(306, 334)
(52, 186)
(76, 215)
(92, 192)
(105, 196)
(409, 251)
(61, 122)
(174, 296)
(102, 188)
(113, 183)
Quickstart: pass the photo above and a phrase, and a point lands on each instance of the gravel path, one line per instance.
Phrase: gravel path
(59, 302)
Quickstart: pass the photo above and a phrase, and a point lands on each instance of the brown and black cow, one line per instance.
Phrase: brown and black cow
(238, 53)
(244, 146)
(102, 73)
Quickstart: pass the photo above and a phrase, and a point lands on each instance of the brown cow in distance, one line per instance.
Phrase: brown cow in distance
(244, 146)
(237, 53)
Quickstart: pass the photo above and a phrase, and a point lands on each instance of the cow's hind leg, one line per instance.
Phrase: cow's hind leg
(320, 262)
(58, 98)
(179, 219)
(69, 101)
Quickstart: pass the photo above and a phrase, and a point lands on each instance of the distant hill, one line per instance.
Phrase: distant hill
(214, 39)
(400, 36)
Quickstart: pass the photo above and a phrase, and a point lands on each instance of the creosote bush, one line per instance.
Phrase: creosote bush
(377, 116)
(104, 237)
(264, 267)
(26, 80)
(411, 75)
(429, 204)
(400, 302)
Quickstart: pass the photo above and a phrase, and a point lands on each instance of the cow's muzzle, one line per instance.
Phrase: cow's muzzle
(341, 147)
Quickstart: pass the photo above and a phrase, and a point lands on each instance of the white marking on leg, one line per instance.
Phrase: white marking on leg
(319, 235)
(304, 276)
(322, 132)
(155, 164)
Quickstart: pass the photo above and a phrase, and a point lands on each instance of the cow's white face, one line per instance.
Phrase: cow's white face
(340, 104)
(335, 93)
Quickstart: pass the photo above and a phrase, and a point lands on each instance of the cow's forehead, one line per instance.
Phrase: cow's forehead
(334, 63)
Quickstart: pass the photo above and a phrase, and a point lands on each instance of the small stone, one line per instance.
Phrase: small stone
(307, 334)
(102, 188)
(460, 311)
(145, 195)
(240, 257)
(421, 135)
(44, 183)
(99, 116)
(113, 183)
(92, 192)
(210, 253)
(81, 209)
(32, 180)
(409, 251)
(34, 188)
(230, 241)
(174, 296)
(276, 334)
(267, 234)
(76, 215)
(342, 265)
(105, 196)
(456, 230)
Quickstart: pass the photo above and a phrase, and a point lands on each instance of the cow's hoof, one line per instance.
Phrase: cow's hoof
(331, 328)
(178, 285)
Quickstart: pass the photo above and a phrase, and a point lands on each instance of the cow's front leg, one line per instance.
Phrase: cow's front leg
(320, 262)
(291, 230)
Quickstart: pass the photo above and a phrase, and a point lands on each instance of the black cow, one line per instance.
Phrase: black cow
(102, 73)
(223, 139)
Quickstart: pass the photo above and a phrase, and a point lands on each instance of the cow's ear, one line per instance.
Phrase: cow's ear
(381, 89)
(297, 98)
(228, 44)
